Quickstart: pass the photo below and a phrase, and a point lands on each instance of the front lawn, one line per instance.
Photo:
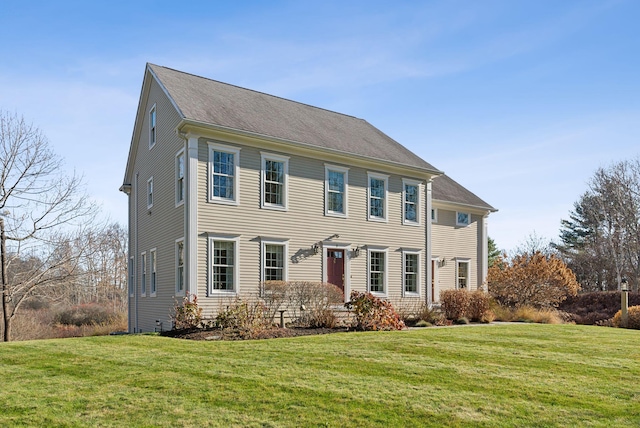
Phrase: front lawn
(492, 375)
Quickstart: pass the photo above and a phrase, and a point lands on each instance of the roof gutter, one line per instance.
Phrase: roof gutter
(460, 204)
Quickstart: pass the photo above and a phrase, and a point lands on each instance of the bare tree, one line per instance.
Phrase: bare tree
(39, 205)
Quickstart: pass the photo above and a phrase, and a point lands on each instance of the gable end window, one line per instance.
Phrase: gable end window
(411, 202)
(463, 219)
(335, 195)
(274, 181)
(377, 196)
(152, 127)
(224, 168)
(180, 184)
(223, 265)
(150, 192)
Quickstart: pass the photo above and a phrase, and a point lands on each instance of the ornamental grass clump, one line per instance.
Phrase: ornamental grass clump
(633, 319)
(373, 313)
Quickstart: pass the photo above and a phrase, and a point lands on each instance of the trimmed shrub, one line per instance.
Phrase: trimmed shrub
(479, 307)
(595, 308)
(455, 303)
(372, 313)
(633, 320)
(186, 313)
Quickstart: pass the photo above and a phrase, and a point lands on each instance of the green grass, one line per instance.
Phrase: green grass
(503, 375)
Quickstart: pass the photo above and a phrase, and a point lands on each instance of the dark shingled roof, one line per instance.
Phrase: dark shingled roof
(444, 188)
(212, 102)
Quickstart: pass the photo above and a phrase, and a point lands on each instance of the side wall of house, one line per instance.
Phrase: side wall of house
(305, 224)
(452, 243)
(156, 228)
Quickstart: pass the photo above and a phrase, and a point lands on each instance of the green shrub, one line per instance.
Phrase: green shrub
(86, 314)
(186, 313)
(633, 319)
(372, 313)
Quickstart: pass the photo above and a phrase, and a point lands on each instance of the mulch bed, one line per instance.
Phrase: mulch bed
(270, 333)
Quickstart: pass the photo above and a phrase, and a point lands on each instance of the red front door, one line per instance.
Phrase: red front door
(335, 268)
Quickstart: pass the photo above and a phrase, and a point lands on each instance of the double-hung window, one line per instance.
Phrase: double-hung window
(411, 202)
(153, 264)
(150, 192)
(335, 184)
(462, 273)
(180, 170)
(224, 166)
(131, 277)
(152, 126)
(180, 267)
(223, 264)
(275, 173)
(143, 280)
(274, 260)
(377, 196)
(377, 273)
(411, 272)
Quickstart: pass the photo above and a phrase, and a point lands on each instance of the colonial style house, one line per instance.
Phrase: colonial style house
(229, 188)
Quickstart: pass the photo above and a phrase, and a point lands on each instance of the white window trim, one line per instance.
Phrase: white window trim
(285, 188)
(385, 277)
(184, 267)
(468, 218)
(217, 147)
(153, 280)
(132, 276)
(285, 256)
(155, 134)
(345, 205)
(143, 274)
(384, 177)
(434, 219)
(417, 293)
(236, 266)
(405, 182)
(179, 201)
(151, 187)
(468, 262)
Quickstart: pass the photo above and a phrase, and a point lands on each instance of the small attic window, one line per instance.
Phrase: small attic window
(463, 219)
(152, 127)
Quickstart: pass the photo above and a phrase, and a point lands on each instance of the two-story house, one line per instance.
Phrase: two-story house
(229, 188)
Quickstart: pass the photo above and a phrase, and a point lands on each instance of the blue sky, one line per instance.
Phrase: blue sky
(519, 101)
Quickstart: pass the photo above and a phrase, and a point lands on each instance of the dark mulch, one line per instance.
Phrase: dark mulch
(596, 307)
(268, 333)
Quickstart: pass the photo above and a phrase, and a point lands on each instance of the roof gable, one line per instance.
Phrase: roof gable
(216, 103)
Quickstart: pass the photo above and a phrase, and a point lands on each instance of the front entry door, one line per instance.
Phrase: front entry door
(335, 268)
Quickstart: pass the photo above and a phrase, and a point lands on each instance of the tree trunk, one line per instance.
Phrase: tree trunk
(6, 319)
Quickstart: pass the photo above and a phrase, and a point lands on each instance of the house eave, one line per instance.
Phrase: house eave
(458, 205)
(199, 127)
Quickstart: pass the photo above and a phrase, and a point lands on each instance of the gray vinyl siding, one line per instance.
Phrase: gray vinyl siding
(303, 224)
(450, 242)
(160, 226)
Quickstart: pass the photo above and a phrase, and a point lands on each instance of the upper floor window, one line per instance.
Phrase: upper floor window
(462, 219)
(143, 282)
(180, 267)
(152, 126)
(377, 274)
(377, 201)
(180, 184)
(223, 265)
(131, 277)
(462, 273)
(336, 180)
(154, 264)
(411, 202)
(150, 192)
(224, 167)
(411, 272)
(275, 172)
